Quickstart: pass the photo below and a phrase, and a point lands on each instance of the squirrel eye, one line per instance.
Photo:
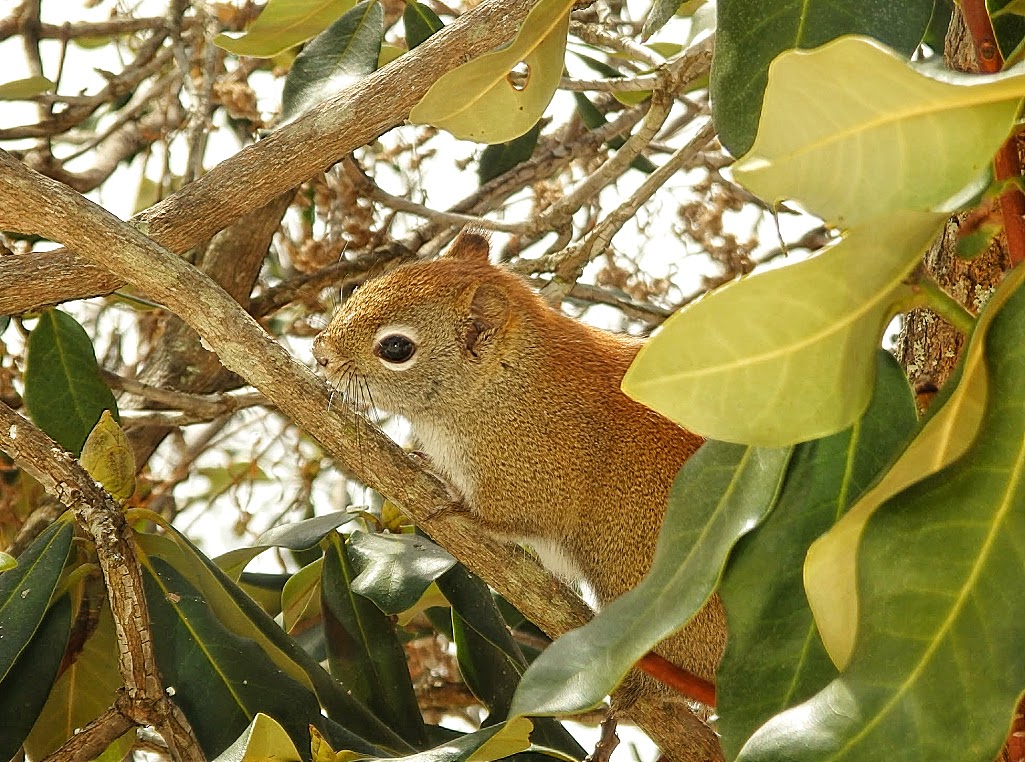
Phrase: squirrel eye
(395, 348)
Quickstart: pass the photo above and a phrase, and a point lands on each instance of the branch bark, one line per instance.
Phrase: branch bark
(143, 701)
(247, 350)
(279, 162)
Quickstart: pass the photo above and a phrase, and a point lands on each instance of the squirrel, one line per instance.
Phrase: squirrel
(519, 408)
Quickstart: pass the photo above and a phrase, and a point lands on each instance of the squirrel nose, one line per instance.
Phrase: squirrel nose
(319, 351)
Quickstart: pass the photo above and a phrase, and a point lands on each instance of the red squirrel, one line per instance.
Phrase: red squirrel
(519, 408)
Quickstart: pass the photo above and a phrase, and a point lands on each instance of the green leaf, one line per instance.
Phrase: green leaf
(784, 356)
(239, 613)
(300, 598)
(282, 25)
(912, 141)
(84, 690)
(263, 741)
(63, 389)
(394, 571)
(831, 566)
(420, 22)
(21, 89)
(304, 534)
(942, 619)
(343, 53)
(751, 33)
(496, 742)
(363, 650)
(219, 680)
(7, 561)
(501, 157)
(774, 658)
(25, 590)
(108, 457)
(24, 690)
(480, 101)
(721, 493)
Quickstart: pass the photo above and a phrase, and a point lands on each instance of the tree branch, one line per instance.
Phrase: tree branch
(144, 701)
(279, 162)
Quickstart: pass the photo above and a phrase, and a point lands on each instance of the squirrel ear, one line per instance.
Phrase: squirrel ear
(487, 315)
(471, 245)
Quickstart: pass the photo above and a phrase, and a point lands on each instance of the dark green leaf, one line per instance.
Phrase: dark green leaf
(220, 680)
(394, 570)
(661, 11)
(241, 614)
(25, 590)
(1009, 27)
(302, 534)
(421, 22)
(363, 650)
(24, 691)
(343, 53)
(501, 157)
(774, 658)
(750, 33)
(489, 658)
(63, 389)
(85, 689)
(721, 493)
(937, 668)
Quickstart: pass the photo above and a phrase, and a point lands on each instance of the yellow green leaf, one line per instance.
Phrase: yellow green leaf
(849, 148)
(513, 738)
(830, 570)
(282, 25)
(108, 457)
(483, 100)
(787, 355)
(263, 741)
(20, 89)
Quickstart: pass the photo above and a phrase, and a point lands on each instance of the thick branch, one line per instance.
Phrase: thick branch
(245, 349)
(144, 700)
(276, 164)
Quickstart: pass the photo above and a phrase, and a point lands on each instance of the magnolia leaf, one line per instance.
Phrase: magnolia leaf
(830, 571)
(942, 619)
(483, 100)
(420, 22)
(64, 392)
(263, 741)
(20, 89)
(363, 649)
(784, 356)
(893, 137)
(300, 598)
(346, 51)
(26, 589)
(220, 680)
(751, 33)
(772, 640)
(283, 24)
(394, 571)
(721, 493)
(108, 457)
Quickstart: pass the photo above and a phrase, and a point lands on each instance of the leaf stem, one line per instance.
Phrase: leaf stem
(929, 294)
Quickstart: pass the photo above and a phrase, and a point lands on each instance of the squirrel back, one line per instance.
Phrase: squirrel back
(519, 407)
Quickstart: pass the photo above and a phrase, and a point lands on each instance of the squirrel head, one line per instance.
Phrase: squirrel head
(416, 338)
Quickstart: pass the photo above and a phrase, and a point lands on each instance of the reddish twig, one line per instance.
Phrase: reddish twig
(680, 680)
(1006, 163)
